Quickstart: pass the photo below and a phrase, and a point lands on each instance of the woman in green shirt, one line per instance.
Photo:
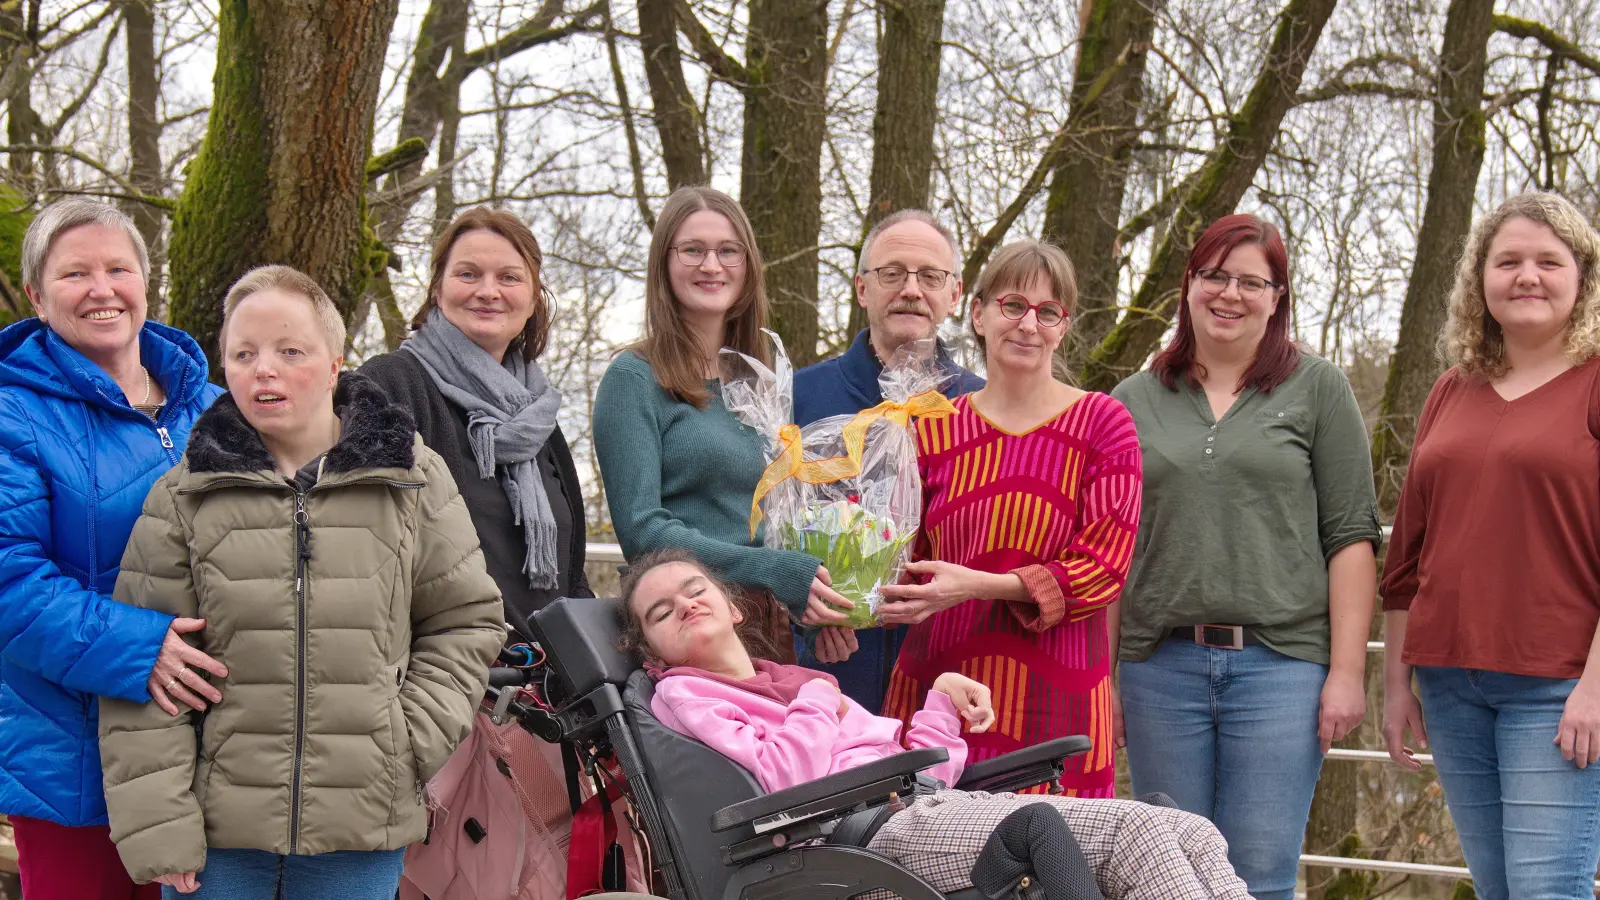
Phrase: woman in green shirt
(1244, 623)
(679, 469)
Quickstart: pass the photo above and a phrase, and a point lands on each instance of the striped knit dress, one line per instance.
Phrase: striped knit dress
(1059, 507)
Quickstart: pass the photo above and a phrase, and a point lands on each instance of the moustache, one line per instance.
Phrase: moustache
(918, 308)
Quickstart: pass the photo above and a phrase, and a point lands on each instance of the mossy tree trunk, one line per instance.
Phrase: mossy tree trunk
(909, 53)
(281, 174)
(674, 110)
(1084, 206)
(1211, 192)
(1458, 147)
(781, 179)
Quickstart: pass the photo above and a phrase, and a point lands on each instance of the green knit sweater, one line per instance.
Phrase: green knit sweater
(682, 477)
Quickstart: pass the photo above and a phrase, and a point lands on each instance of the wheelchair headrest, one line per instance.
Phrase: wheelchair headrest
(579, 637)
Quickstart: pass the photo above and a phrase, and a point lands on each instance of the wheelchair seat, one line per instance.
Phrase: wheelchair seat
(713, 832)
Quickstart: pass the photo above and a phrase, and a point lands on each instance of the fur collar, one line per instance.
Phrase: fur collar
(376, 434)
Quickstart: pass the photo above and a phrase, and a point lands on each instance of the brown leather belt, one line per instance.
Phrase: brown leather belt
(1221, 637)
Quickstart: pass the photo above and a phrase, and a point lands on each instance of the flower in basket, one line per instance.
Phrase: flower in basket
(861, 551)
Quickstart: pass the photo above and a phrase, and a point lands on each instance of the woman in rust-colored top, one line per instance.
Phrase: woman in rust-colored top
(1492, 582)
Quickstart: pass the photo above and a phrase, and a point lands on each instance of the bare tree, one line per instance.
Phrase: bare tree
(675, 112)
(1212, 191)
(909, 53)
(781, 167)
(144, 134)
(1458, 146)
(1089, 176)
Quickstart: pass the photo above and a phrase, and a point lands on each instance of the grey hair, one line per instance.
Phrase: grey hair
(63, 215)
(900, 217)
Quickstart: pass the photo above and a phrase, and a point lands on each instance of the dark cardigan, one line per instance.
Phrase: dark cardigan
(443, 427)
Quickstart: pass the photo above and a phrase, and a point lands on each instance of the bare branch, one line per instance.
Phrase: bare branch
(707, 50)
(979, 254)
(1544, 34)
(67, 37)
(632, 136)
(1337, 88)
(71, 109)
(161, 203)
(87, 160)
(533, 33)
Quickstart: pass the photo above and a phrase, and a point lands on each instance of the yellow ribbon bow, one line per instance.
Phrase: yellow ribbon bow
(791, 462)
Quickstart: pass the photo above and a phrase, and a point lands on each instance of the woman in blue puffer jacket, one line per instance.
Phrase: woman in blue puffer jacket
(95, 404)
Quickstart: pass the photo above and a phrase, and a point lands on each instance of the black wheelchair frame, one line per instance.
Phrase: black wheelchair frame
(713, 833)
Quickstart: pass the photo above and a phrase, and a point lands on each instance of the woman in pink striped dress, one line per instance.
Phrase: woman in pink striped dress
(1030, 510)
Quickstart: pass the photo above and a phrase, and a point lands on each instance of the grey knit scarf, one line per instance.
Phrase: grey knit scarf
(511, 410)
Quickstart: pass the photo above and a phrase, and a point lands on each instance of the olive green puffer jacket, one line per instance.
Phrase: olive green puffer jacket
(357, 644)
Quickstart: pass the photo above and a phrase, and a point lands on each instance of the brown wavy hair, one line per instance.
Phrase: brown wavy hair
(757, 642)
(1472, 340)
(497, 221)
(668, 345)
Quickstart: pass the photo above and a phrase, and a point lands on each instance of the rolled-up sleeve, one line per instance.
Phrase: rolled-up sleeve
(1341, 466)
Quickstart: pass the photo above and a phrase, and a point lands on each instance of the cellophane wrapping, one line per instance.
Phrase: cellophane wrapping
(861, 527)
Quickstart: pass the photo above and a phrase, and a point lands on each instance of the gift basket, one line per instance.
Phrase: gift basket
(844, 489)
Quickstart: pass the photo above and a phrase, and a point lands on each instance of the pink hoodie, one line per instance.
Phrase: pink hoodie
(785, 745)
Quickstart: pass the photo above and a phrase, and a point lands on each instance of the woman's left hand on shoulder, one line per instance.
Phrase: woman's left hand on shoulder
(1343, 706)
(1579, 733)
(947, 585)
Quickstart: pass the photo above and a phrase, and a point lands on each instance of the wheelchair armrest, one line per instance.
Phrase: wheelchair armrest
(839, 792)
(1023, 768)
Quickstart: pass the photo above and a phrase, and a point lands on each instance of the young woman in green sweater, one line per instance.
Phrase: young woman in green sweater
(679, 469)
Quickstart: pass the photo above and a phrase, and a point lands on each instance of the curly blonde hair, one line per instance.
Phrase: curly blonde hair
(1472, 340)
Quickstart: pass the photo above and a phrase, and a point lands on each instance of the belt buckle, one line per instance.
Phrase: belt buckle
(1220, 637)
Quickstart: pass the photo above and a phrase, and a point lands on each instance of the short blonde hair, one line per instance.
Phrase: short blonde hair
(1015, 267)
(1472, 340)
(289, 281)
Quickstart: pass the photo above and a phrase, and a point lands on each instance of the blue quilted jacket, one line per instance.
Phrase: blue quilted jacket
(75, 464)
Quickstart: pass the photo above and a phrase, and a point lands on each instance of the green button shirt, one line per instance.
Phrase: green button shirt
(1240, 516)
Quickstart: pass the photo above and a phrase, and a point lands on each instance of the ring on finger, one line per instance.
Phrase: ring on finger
(170, 684)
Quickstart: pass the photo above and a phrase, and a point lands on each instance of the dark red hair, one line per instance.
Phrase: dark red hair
(1276, 355)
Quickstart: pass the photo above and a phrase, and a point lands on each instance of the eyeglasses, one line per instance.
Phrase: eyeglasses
(1215, 281)
(729, 255)
(1015, 306)
(892, 278)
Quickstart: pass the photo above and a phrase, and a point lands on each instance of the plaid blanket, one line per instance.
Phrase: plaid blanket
(1137, 851)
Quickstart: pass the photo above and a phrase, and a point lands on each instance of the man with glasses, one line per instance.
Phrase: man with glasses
(908, 279)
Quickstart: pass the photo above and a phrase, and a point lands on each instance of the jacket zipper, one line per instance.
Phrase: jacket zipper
(302, 535)
(302, 557)
(166, 443)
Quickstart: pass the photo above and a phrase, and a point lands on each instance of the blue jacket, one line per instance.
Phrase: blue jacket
(76, 462)
(842, 386)
(848, 383)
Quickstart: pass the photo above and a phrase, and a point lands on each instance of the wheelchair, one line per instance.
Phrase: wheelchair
(713, 833)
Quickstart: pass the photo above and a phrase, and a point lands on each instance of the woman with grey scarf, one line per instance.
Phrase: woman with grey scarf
(470, 377)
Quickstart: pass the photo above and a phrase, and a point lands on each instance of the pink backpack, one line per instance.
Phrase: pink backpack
(501, 823)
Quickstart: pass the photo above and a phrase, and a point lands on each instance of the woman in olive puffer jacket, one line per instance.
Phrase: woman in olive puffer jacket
(339, 577)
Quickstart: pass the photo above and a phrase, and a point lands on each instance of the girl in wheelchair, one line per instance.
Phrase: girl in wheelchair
(788, 725)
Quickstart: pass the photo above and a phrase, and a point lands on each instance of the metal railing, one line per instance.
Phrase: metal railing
(612, 553)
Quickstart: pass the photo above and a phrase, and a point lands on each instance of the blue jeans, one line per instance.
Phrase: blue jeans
(259, 875)
(1230, 735)
(1525, 816)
